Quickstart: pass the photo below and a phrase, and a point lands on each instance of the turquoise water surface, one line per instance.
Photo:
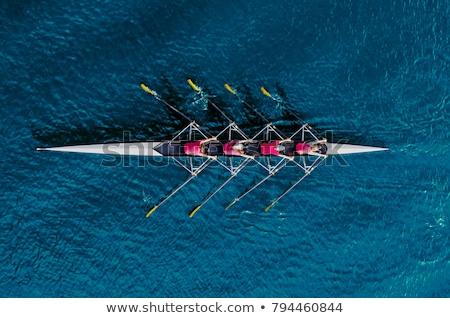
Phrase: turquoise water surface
(370, 72)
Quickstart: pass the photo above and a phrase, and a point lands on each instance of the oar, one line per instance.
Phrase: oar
(169, 196)
(285, 192)
(265, 92)
(307, 173)
(247, 192)
(244, 163)
(257, 185)
(154, 94)
(232, 91)
(279, 102)
(179, 188)
(200, 92)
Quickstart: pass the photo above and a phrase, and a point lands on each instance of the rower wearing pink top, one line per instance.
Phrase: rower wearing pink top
(302, 148)
(310, 148)
(275, 148)
(198, 148)
(236, 148)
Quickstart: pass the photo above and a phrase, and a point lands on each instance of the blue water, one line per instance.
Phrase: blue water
(371, 72)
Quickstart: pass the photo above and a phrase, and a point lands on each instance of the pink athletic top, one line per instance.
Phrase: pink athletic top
(193, 148)
(302, 149)
(268, 148)
(228, 149)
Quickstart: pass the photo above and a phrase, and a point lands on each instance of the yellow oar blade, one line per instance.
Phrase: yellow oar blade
(194, 211)
(270, 206)
(228, 87)
(191, 84)
(148, 90)
(231, 204)
(151, 211)
(265, 92)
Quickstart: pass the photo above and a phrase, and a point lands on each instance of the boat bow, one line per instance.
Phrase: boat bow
(141, 148)
(346, 149)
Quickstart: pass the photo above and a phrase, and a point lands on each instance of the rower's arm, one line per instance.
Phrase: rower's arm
(321, 141)
(286, 157)
(209, 139)
(312, 153)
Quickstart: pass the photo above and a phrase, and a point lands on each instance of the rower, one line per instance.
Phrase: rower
(236, 148)
(316, 148)
(276, 148)
(199, 148)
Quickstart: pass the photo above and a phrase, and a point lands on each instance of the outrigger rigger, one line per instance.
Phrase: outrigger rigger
(195, 149)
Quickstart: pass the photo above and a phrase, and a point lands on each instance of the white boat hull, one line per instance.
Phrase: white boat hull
(142, 148)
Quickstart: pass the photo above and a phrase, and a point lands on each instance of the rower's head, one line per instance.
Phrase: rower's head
(238, 146)
(204, 148)
(280, 148)
(315, 148)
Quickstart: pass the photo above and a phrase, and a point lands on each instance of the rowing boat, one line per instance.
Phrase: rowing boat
(262, 148)
(161, 149)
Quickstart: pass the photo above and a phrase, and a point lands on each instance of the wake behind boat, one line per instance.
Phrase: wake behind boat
(231, 148)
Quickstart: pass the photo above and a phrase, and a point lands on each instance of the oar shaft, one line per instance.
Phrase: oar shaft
(232, 91)
(211, 196)
(174, 109)
(286, 192)
(264, 118)
(180, 187)
(219, 110)
(258, 184)
(219, 188)
(293, 114)
(254, 187)
(170, 195)
(290, 112)
(153, 93)
(247, 192)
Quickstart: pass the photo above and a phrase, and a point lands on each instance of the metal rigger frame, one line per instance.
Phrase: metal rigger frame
(304, 132)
